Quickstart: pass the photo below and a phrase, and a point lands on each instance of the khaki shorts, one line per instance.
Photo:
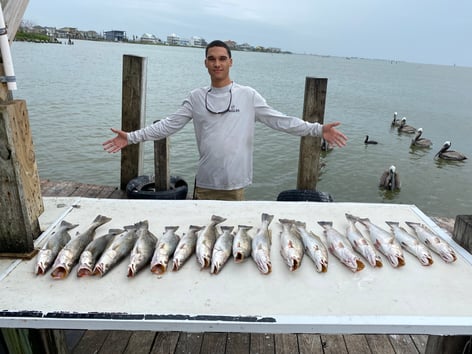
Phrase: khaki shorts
(218, 194)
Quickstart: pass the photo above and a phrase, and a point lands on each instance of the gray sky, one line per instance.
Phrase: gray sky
(423, 31)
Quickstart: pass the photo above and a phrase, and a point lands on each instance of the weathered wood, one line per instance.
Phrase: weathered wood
(286, 343)
(214, 343)
(309, 344)
(140, 342)
(133, 115)
(20, 193)
(313, 111)
(189, 343)
(454, 344)
(238, 343)
(116, 342)
(333, 343)
(52, 341)
(356, 343)
(161, 165)
(380, 343)
(165, 342)
(92, 342)
(420, 342)
(13, 11)
(402, 344)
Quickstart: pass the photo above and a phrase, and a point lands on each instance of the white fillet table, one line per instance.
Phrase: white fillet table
(413, 299)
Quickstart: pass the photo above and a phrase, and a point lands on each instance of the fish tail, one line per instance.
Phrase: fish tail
(217, 219)
(196, 228)
(325, 224)
(67, 225)
(115, 231)
(287, 221)
(144, 224)
(392, 223)
(267, 218)
(101, 219)
(171, 228)
(227, 228)
(412, 224)
(129, 227)
(245, 227)
(300, 223)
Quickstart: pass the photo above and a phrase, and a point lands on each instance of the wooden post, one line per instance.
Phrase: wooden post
(133, 115)
(462, 234)
(161, 165)
(21, 203)
(313, 111)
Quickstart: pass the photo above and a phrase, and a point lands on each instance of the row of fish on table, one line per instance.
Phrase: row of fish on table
(214, 244)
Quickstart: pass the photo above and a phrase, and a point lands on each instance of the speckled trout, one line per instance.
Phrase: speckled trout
(242, 244)
(222, 249)
(143, 248)
(339, 248)
(411, 244)
(261, 244)
(70, 254)
(360, 244)
(206, 241)
(117, 250)
(433, 241)
(291, 246)
(186, 247)
(384, 242)
(50, 250)
(314, 247)
(165, 248)
(94, 249)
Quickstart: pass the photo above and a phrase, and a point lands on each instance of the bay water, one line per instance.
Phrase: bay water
(73, 95)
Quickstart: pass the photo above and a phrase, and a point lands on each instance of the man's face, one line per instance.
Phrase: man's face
(218, 63)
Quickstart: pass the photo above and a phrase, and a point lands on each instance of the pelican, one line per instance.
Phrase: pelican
(367, 141)
(405, 128)
(390, 179)
(447, 154)
(395, 121)
(420, 142)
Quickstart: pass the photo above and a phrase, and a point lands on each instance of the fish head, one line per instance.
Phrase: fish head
(44, 261)
(448, 256)
(132, 270)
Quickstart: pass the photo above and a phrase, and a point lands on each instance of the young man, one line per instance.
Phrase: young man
(224, 116)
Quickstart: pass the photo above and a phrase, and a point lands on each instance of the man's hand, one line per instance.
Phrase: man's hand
(334, 136)
(117, 143)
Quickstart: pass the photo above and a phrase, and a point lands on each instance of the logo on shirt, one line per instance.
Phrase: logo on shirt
(233, 109)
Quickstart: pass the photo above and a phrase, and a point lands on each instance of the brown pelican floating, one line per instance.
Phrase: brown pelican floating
(367, 141)
(390, 179)
(405, 128)
(395, 121)
(447, 154)
(418, 141)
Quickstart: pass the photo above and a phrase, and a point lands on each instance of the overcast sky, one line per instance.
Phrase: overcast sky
(423, 31)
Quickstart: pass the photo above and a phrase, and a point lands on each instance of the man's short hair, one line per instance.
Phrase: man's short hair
(217, 43)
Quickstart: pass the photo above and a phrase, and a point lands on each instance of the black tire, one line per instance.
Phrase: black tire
(304, 195)
(142, 187)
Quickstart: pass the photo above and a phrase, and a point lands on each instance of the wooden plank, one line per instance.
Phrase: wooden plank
(91, 342)
(420, 342)
(73, 337)
(286, 343)
(132, 115)
(140, 342)
(403, 344)
(356, 343)
(116, 342)
(214, 343)
(333, 343)
(165, 342)
(161, 164)
(262, 343)
(189, 343)
(379, 343)
(20, 192)
(313, 111)
(238, 343)
(310, 344)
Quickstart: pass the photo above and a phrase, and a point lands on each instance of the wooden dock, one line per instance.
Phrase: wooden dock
(96, 341)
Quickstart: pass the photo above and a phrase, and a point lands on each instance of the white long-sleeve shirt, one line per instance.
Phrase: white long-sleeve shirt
(225, 141)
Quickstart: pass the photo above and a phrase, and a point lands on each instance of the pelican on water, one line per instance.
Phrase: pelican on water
(447, 154)
(395, 121)
(405, 128)
(418, 141)
(390, 179)
(367, 141)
